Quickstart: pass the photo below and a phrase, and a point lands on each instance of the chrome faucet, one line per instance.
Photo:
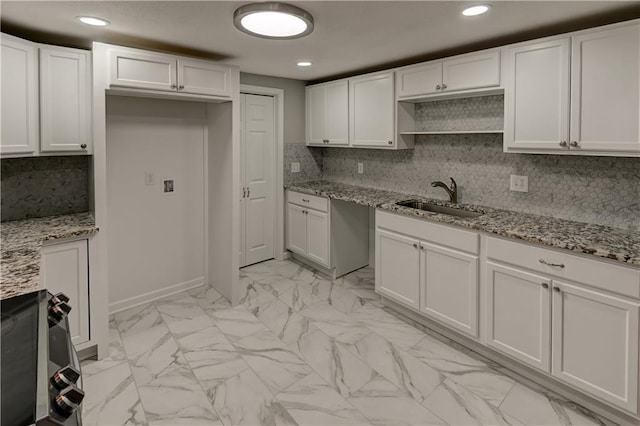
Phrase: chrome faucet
(453, 191)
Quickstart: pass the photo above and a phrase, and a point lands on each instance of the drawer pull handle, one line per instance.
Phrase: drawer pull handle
(544, 262)
(305, 200)
(545, 285)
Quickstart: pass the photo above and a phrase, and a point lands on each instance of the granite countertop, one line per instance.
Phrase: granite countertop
(602, 241)
(22, 243)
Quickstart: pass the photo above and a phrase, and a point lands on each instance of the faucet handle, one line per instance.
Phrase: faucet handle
(454, 185)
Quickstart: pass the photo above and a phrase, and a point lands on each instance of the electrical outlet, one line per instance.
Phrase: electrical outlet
(149, 178)
(519, 183)
(295, 167)
(360, 168)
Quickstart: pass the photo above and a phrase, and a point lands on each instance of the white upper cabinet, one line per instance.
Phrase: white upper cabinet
(465, 72)
(65, 93)
(372, 110)
(155, 71)
(605, 90)
(203, 77)
(327, 115)
(19, 92)
(575, 95)
(537, 96)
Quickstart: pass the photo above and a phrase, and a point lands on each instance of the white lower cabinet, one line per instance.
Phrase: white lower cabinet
(65, 268)
(308, 230)
(318, 236)
(518, 315)
(296, 229)
(595, 343)
(425, 267)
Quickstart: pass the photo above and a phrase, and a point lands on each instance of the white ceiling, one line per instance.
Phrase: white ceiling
(348, 36)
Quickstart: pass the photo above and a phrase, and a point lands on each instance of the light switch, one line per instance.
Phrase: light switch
(360, 168)
(295, 167)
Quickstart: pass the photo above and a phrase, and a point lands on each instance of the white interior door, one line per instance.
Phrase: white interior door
(258, 142)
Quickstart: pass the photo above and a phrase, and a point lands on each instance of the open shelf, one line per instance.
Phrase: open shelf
(451, 132)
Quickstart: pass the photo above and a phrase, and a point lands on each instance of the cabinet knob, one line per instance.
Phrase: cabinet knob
(415, 245)
(563, 144)
(444, 86)
(545, 285)
(390, 142)
(573, 144)
(173, 86)
(83, 146)
(556, 289)
(180, 87)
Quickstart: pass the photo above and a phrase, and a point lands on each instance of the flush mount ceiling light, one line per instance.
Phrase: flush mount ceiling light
(304, 64)
(273, 20)
(476, 10)
(92, 20)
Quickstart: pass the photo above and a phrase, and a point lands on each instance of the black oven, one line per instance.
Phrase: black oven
(40, 375)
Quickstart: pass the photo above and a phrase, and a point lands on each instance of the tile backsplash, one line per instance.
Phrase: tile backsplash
(600, 190)
(44, 186)
(310, 160)
(479, 113)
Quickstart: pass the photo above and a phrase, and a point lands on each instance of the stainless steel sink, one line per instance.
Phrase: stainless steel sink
(451, 211)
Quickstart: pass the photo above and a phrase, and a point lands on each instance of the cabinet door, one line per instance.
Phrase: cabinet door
(337, 129)
(397, 273)
(471, 71)
(372, 110)
(296, 229)
(518, 315)
(65, 75)
(65, 268)
(605, 90)
(595, 344)
(449, 281)
(20, 121)
(202, 77)
(423, 79)
(318, 236)
(142, 70)
(316, 116)
(536, 97)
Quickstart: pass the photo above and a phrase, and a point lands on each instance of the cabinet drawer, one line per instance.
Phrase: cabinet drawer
(310, 201)
(598, 274)
(419, 228)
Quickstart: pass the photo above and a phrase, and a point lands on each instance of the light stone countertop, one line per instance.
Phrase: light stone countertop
(597, 240)
(22, 244)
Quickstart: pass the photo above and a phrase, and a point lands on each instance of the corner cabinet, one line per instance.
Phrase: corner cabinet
(432, 269)
(46, 99)
(65, 268)
(136, 69)
(575, 95)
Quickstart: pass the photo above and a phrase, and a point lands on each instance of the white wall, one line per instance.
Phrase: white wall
(156, 241)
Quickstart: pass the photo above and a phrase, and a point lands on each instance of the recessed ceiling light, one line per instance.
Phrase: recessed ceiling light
(476, 10)
(273, 20)
(304, 64)
(92, 20)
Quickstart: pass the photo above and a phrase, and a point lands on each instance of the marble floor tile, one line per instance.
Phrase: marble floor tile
(366, 295)
(137, 320)
(210, 355)
(276, 286)
(177, 399)
(115, 357)
(386, 405)
(183, 314)
(535, 408)
(341, 327)
(274, 363)
(244, 400)
(288, 325)
(403, 370)
(363, 278)
(344, 301)
(112, 398)
(488, 384)
(311, 401)
(237, 323)
(459, 406)
(388, 326)
(209, 299)
(340, 368)
(255, 296)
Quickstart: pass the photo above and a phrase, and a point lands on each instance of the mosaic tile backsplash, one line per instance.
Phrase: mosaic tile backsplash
(44, 186)
(479, 113)
(310, 160)
(600, 190)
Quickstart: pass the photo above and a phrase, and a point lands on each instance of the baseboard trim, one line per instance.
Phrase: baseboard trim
(141, 299)
(515, 369)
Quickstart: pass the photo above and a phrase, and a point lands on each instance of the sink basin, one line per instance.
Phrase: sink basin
(451, 211)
